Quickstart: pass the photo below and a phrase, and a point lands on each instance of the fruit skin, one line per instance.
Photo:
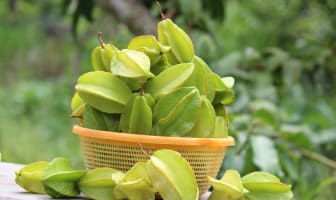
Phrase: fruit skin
(172, 176)
(137, 115)
(150, 46)
(170, 79)
(101, 57)
(60, 179)
(175, 114)
(103, 91)
(29, 177)
(205, 122)
(181, 46)
(98, 184)
(129, 63)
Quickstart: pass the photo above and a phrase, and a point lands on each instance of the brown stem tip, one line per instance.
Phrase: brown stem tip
(100, 40)
(163, 17)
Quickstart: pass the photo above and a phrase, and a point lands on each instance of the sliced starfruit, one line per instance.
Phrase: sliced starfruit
(103, 91)
(229, 187)
(29, 177)
(172, 176)
(60, 179)
(98, 183)
(169, 80)
(131, 64)
(175, 114)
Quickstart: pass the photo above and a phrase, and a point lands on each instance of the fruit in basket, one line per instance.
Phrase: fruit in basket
(102, 55)
(60, 179)
(29, 177)
(159, 67)
(137, 115)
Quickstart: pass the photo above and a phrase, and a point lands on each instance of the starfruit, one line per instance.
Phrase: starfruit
(131, 64)
(101, 56)
(229, 187)
(60, 179)
(221, 130)
(95, 119)
(202, 79)
(181, 46)
(77, 106)
(103, 91)
(137, 115)
(224, 91)
(150, 46)
(98, 184)
(29, 177)
(205, 120)
(172, 176)
(135, 185)
(262, 186)
(169, 80)
(175, 114)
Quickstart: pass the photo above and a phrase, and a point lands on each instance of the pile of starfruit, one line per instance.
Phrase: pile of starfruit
(157, 176)
(157, 86)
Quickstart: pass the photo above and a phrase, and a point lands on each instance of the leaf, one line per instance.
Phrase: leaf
(265, 155)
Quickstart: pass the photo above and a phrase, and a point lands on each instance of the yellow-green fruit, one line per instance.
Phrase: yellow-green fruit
(150, 46)
(60, 179)
(172, 176)
(29, 177)
(103, 91)
(101, 57)
(98, 184)
(77, 106)
(181, 46)
(131, 64)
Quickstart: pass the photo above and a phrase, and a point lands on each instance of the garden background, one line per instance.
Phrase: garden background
(282, 54)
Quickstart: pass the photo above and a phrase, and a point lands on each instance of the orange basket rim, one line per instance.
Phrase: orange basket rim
(151, 139)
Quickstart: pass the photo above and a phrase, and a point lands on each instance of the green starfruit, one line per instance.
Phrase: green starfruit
(229, 187)
(60, 179)
(181, 46)
(103, 91)
(205, 120)
(101, 56)
(172, 176)
(175, 114)
(150, 46)
(29, 177)
(98, 183)
(169, 80)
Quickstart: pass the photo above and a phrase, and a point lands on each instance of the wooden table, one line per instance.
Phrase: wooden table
(10, 190)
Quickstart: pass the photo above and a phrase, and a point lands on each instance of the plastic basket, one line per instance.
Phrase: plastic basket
(122, 150)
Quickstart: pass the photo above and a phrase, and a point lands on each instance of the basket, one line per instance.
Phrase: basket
(122, 150)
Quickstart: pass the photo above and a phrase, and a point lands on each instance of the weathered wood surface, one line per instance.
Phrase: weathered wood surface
(10, 190)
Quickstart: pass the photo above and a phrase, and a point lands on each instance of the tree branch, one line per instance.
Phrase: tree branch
(132, 13)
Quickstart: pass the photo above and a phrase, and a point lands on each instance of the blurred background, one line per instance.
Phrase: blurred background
(282, 54)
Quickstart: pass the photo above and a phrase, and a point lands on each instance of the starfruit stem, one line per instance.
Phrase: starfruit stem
(163, 17)
(143, 151)
(100, 40)
(142, 92)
